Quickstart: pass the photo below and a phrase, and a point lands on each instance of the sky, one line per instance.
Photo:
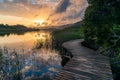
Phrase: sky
(42, 12)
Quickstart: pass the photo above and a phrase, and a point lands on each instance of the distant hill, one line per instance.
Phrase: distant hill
(70, 25)
(14, 27)
(53, 28)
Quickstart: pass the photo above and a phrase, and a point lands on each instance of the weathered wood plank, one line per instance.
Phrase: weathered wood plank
(86, 64)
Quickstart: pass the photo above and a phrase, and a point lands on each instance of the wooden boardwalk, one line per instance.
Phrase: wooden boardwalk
(86, 64)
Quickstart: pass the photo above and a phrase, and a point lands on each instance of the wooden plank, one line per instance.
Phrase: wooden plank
(86, 64)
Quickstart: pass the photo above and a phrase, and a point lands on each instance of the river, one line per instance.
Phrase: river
(28, 56)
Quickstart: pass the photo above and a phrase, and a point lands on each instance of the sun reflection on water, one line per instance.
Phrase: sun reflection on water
(33, 56)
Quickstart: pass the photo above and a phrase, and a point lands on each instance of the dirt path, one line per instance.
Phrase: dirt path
(86, 64)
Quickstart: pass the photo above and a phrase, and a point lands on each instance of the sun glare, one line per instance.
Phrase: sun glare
(39, 22)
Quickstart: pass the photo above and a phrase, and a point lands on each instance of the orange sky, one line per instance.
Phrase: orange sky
(41, 12)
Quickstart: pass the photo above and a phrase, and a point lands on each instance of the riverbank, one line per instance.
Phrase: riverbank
(62, 35)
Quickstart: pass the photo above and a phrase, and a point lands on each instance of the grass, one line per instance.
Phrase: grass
(71, 33)
(67, 34)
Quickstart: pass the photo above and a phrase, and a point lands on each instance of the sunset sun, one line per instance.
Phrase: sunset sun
(38, 22)
(41, 23)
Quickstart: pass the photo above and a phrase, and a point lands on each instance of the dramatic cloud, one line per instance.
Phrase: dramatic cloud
(62, 6)
(73, 12)
(54, 12)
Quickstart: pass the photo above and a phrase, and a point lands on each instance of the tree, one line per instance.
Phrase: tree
(102, 29)
(99, 20)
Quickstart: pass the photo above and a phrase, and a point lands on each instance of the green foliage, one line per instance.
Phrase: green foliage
(115, 65)
(116, 29)
(115, 62)
(102, 28)
(98, 23)
(14, 27)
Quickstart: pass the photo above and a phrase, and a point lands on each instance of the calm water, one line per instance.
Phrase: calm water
(28, 56)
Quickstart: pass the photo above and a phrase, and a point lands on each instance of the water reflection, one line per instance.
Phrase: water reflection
(28, 56)
(44, 40)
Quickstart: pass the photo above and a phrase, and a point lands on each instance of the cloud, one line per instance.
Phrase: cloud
(56, 12)
(62, 6)
(76, 15)
(71, 13)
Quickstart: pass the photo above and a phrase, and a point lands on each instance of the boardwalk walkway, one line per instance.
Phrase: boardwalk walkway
(85, 64)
